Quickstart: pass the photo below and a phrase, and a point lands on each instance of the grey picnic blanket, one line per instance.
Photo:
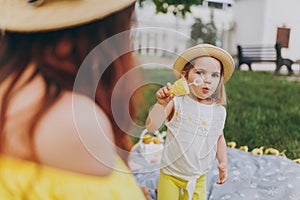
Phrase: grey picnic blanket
(250, 177)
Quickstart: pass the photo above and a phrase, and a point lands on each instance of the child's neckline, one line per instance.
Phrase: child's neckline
(201, 103)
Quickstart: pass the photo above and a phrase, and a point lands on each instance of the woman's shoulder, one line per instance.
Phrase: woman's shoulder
(76, 135)
(47, 180)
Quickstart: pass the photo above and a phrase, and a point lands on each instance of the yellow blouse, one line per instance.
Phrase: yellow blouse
(21, 179)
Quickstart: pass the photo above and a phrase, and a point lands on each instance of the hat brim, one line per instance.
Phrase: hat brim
(206, 50)
(20, 16)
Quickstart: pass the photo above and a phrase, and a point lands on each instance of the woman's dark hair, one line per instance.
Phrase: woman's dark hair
(18, 50)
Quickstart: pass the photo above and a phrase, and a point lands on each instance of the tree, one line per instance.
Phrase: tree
(204, 32)
(177, 7)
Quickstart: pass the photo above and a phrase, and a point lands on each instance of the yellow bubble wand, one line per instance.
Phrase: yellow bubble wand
(181, 86)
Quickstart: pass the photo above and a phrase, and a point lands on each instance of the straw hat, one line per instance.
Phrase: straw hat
(44, 15)
(206, 50)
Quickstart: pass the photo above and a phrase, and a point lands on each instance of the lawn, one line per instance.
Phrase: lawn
(262, 110)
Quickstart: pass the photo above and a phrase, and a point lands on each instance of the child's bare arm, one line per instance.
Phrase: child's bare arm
(161, 110)
(222, 159)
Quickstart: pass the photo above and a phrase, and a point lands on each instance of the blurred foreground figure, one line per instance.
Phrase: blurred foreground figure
(57, 130)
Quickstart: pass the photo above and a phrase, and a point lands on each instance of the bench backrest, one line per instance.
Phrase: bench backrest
(259, 52)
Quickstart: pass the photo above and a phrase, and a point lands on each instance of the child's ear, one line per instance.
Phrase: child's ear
(183, 74)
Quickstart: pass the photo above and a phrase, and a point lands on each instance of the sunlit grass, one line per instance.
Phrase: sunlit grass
(264, 110)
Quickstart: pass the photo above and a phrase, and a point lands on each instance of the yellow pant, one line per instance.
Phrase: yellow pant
(173, 188)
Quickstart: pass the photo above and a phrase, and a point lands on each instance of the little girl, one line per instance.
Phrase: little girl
(195, 123)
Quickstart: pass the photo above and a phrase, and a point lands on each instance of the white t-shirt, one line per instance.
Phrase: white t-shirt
(191, 142)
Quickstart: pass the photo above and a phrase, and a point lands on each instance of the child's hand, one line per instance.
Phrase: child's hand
(223, 173)
(146, 193)
(162, 95)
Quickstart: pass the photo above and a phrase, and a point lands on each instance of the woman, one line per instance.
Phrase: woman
(43, 143)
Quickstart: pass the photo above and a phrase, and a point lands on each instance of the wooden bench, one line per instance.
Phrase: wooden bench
(248, 54)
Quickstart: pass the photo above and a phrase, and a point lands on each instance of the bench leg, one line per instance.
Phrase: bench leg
(239, 66)
(277, 69)
(249, 65)
(288, 63)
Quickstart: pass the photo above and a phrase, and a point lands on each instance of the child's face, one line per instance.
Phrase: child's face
(209, 69)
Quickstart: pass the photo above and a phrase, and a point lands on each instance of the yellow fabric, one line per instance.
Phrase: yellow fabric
(169, 187)
(21, 179)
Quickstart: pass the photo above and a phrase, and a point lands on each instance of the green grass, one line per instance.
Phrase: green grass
(262, 109)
